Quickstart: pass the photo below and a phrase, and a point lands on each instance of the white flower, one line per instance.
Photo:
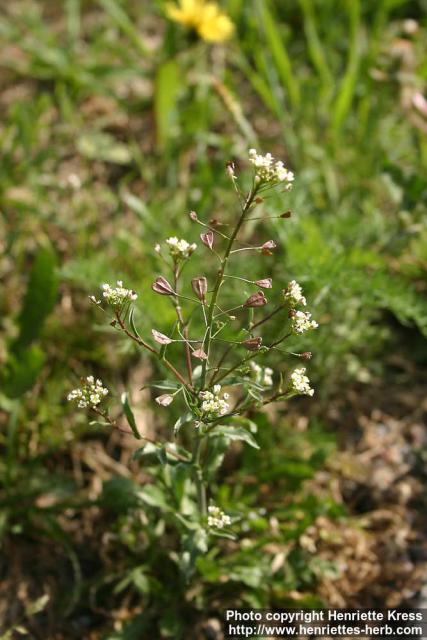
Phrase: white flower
(217, 519)
(180, 248)
(294, 294)
(89, 394)
(212, 404)
(300, 382)
(262, 375)
(301, 322)
(269, 170)
(116, 296)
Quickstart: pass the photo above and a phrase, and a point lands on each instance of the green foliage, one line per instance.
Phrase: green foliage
(25, 359)
(146, 118)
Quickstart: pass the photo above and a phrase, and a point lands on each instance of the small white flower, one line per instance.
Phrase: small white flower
(301, 322)
(269, 170)
(217, 519)
(262, 375)
(116, 296)
(300, 382)
(89, 394)
(180, 248)
(212, 404)
(294, 294)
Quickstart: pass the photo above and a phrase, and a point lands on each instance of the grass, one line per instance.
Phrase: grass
(115, 124)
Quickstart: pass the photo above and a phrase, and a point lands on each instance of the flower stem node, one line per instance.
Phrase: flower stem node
(300, 383)
(270, 171)
(117, 296)
(293, 294)
(180, 249)
(213, 405)
(89, 394)
(301, 322)
(217, 519)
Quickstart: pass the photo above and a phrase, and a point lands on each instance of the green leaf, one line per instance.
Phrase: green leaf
(184, 419)
(21, 371)
(40, 298)
(234, 433)
(165, 100)
(129, 415)
(98, 145)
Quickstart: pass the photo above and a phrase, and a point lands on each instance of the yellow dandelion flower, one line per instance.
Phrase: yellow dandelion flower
(212, 24)
(215, 26)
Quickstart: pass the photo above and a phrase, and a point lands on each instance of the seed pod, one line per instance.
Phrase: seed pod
(287, 214)
(266, 283)
(160, 338)
(164, 400)
(259, 200)
(257, 299)
(193, 216)
(252, 344)
(200, 287)
(207, 239)
(162, 286)
(306, 355)
(267, 247)
(199, 354)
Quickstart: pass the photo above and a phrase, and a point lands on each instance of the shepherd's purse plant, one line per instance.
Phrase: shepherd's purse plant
(224, 373)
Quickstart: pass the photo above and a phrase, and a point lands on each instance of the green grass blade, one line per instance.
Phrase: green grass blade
(279, 53)
(345, 95)
(315, 48)
(122, 20)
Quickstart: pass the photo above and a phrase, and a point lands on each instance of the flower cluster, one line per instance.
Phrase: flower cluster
(89, 394)
(301, 322)
(300, 382)
(267, 170)
(212, 405)
(116, 296)
(262, 375)
(218, 519)
(180, 249)
(293, 294)
(211, 24)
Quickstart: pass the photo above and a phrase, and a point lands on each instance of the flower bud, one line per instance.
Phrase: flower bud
(164, 400)
(266, 283)
(230, 166)
(207, 239)
(193, 216)
(252, 344)
(287, 214)
(267, 247)
(257, 299)
(162, 286)
(160, 338)
(200, 287)
(199, 354)
(306, 355)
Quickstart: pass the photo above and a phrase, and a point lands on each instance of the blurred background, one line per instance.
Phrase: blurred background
(116, 120)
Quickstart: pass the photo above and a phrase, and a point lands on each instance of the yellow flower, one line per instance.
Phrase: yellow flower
(212, 24)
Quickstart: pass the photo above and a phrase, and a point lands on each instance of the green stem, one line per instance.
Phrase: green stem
(198, 477)
(220, 279)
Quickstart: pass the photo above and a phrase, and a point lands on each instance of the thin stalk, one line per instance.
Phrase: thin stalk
(198, 477)
(114, 424)
(184, 328)
(220, 279)
(144, 344)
